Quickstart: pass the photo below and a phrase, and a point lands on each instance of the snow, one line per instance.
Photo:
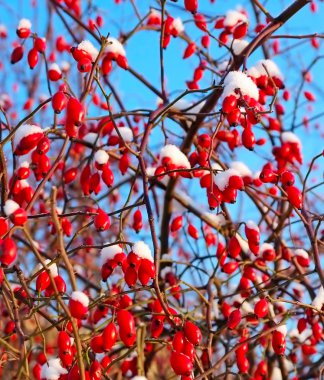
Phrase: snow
(178, 25)
(23, 184)
(232, 17)
(294, 333)
(101, 157)
(90, 137)
(302, 253)
(276, 374)
(55, 67)
(271, 69)
(222, 178)
(222, 66)
(318, 301)
(215, 219)
(125, 132)
(80, 297)
(150, 171)
(244, 245)
(282, 329)
(26, 130)
(53, 267)
(52, 370)
(142, 250)
(266, 247)
(238, 46)
(245, 305)
(108, 253)
(176, 156)
(190, 107)
(10, 207)
(114, 46)
(241, 168)
(252, 225)
(88, 47)
(65, 66)
(24, 23)
(237, 79)
(166, 270)
(290, 137)
(23, 164)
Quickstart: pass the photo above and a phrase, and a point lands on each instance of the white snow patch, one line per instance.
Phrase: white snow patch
(3, 28)
(10, 207)
(53, 267)
(125, 132)
(90, 137)
(244, 244)
(238, 46)
(55, 67)
(114, 46)
(142, 250)
(216, 219)
(176, 156)
(26, 130)
(265, 67)
(318, 301)
(88, 47)
(178, 25)
(302, 253)
(276, 374)
(80, 297)
(65, 66)
(237, 79)
(24, 23)
(282, 329)
(23, 164)
(241, 168)
(266, 247)
(222, 178)
(290, 137)
(232, 17)
(101, 156)
(52, 370)
(108, 253)
(252, 225)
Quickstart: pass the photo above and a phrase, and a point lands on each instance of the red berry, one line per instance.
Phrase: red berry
(261, 308)
(181, 364)
(295, 197)
(32, 58)
(191, 5)
(192, 333)
(234, 319)
(278, 342)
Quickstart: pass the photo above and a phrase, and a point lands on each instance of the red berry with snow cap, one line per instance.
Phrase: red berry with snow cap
(279, 341)
(17, 214)
(54, 72)
(27, 138)
(78, 305)
(23, 29)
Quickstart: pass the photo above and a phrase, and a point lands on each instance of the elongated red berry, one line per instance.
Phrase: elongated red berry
(192, 333)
